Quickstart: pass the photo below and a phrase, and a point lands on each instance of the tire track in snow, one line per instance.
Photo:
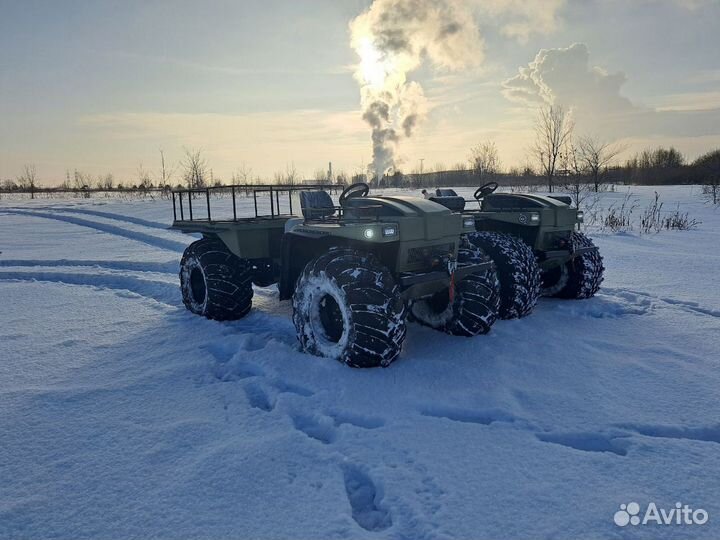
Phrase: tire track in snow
(164, 293)
(650, 300)
(169, 267)
(109, 215)
(587, 441)
(148, 239)
(614, 439)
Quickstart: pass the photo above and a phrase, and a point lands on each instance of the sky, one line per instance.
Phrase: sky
(268, 86)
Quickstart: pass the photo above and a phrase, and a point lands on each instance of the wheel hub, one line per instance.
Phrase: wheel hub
(197, 286)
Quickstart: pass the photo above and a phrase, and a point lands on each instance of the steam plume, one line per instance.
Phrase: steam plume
(392, 39)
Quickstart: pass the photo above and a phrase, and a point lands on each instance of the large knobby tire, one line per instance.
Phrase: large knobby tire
(347, 306)
(215, 283)
(517, 271)
(580, 277)
(475, 306)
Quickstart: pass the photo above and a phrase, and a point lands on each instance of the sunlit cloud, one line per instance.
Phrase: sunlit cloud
(565, 76)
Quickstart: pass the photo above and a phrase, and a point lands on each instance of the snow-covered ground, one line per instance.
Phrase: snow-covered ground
(123, 415)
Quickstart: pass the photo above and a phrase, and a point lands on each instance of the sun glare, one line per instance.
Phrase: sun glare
(372, 66)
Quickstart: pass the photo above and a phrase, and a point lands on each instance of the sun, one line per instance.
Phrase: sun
(373, 67)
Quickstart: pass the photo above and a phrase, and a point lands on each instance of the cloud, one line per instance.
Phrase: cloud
(520, 19)
(564, 76)
(692, 5)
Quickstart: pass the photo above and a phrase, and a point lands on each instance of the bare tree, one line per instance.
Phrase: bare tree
(166, 171)
(596, 155)
(553, 131)
(144, 178)
(106, 181)
(194, 168)
(27, 181)
(709, 167)
(321, 175)
(573, 173)
(289, 177)
(243, 175)
(484, 160)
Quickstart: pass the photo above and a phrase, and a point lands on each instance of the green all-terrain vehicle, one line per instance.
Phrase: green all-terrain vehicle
(534, 243)
(353, 271)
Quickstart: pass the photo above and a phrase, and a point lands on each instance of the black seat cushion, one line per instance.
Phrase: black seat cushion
(445, 192)
(456, 204)
(316, 204)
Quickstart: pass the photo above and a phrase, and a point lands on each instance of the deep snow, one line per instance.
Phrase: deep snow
(125, 416)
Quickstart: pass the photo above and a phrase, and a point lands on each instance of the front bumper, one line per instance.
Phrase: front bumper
(421, 284)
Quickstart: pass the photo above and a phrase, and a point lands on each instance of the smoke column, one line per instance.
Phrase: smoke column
(394, 38)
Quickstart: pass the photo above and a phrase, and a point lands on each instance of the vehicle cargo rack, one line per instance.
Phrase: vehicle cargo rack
(184, 197)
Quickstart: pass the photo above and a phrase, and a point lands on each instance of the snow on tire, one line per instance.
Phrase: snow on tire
(584, 274)
(517, 271)
(215, 283)
(347, 306)
(475, 306)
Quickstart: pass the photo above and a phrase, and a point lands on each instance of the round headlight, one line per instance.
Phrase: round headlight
(369, 233)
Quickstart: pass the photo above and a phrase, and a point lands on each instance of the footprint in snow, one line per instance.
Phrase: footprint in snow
(258, 398)
(284, 387)
(701, 433)
(469, 416)
(589, 441)
(324, 428)
(357, 420)
(319, 428)
(366, 500)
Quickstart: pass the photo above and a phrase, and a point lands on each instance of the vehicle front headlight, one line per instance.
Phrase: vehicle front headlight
(580, 216)
(390, 230)
(534, 218)
(368, 233)
(469, 222)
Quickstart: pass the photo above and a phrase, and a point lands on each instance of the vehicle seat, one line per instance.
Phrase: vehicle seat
(562, 198)
(454, 204)
(316, 204)
(445, 192)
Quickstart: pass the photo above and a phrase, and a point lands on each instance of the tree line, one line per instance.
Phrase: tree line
(559, 159)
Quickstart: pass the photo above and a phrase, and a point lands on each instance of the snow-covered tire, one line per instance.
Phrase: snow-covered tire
(475, 306)
(215, 283)
(582, 275)
(347, 306)
(517, 271)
